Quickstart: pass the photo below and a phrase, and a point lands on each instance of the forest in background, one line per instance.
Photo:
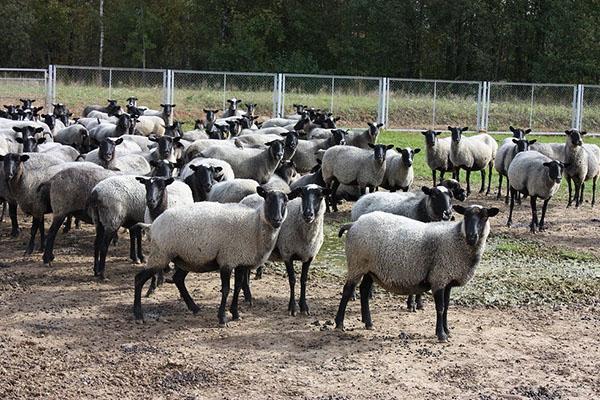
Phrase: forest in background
(510, 40)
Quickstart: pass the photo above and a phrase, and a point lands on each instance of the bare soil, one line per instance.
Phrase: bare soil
(66, 335)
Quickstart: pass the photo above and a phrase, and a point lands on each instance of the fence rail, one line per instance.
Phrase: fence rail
(400, 104)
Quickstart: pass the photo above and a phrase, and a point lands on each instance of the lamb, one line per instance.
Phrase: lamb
(76, 136)
(305, 157)
(399, 172)
(405, 256)
(438, 154)
(506, 153)
(232, 191)
(115, 202)
(257, 164)
(362, 139)
(186, 236)
(147, 125)
(102, 131)
(109, 157)
(23, 174)
(582, 164)
(535, 175)
(53, 123)
(168, 148)
(282, 178)
(351, 165)
(473, 153)
(300, 237)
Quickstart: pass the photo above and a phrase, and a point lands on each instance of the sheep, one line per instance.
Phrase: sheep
(300, 237)
(76, 136)
(53, 123)
(282, 178)
(506, 153)
(231, 191)
(167, 148)
(408, 257)
(191, 238)
(314, 177)
(102, 131)
(275, 130)
(399, 172)
(69, 193)
(122, 160)
(232, 110)
(438, 154)
(110, 108)
(89, 123)
(312, 130)
(362, 139)
(555, 151)
(114, 202)
(166, 115)
(305, 157)
(198, 146)
(163, 193)
(23, 174)
(473, 153)
(353, 166)
(299, 108)
(291, 142)
(279, 122)
(147, 125)
(583, 164)
(65, 153)
(144, 143)
(535, 175)
(257, 164)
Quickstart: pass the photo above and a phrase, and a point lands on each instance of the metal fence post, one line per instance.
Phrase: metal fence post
(531, 107)
(380, 102)
(109, 82)
(479, 106)
(332, 89)
(172, 91)
(486, 114)
(386, 102)
(434, 99)
(580, 107)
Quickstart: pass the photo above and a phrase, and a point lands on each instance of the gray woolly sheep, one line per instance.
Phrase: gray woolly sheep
(149, 125)
(535, 175)
(506, 153)
(282, 178)
(405, 256)
(362, 139)
(438, 154)
(74, 135)
(231, 191)
(554, 151)
(306, 153)
(399, 174)
(192, 238)
(102, 131)
(109, 156)
(582, 164)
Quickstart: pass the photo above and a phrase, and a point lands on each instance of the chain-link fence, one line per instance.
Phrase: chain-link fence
(590, 111)
(541, 107)
(195, 90)
(22, 83)
(78, 87)
(434, 104)
(354, 99)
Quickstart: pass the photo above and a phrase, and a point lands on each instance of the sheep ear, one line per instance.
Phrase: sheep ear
(527, 131)
(169, 181)
(459, 209)
(449, 128)
(424, 133)
(515, 141)
(568, 132)
(177, 139)
(547, 164)
(194, 167)
(532, 141)
(261, 192)
(370, 124)
(17, 129)
(399, 149)
(426, 190)
(417, 150)
(41, 140)
(295, 193)
(152, 138)
(389, 146)
(379, 125)
(583, 133)
(118, 141)
(464, 129)
(511, 129)
(141, 180)
(218, 169)
(492, 212)
(153, 163)
(371, 145)
(437, 133)
(40, 129)
(24, 157)
(19, 140)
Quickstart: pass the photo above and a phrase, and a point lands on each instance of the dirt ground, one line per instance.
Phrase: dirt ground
(65, 335)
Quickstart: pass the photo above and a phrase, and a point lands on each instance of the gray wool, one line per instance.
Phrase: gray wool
(351, 165)
(414, 205)
(275, 130)
(582, 163)
(527, 174)
(200, 145)
(63, 152)
(280, 122)
(226, 173)
(147, 125)
(438, 155)
(194, 236)
(232, 191)
(555, 151)
(402, 253)
(73, 135)
(312, 178)
(143, 142)
(305, 157)
(362, 139)
(178, 194)
(125, 160)
(505, 155)
(397, 175)
(118, 200)
(257, 164)
(473, 152)
(195, 134)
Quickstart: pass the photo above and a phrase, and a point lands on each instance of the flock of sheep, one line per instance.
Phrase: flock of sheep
(231, 194)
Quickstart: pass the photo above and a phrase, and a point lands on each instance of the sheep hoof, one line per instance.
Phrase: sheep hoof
(369, 327)
(420, 306)
(48, 264)
(15, 233)
(139, 321)
(340, 327)
(443, 338)
(223, 325)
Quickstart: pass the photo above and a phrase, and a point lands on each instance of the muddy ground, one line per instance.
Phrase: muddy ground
(66, 335)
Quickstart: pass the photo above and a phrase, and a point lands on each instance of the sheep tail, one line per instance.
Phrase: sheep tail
(344, 228)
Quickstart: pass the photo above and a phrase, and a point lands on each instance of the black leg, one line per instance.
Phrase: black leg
(97, 245)
(179, 280)
(419, 298)
(31, 244)
(259, 272)
(442, 176)
(410, 303)
(569, 187)
(246, 288)
(438, 296)
(239, 277)
(57, 221)
(225, 278)
(581, 191)
(4, 206)
(67, 226)
(482, 172)
(103, 251)
(333, 195)
(365, 289)
(507, 190)
(544, 206)
(346, 295)
(41, 227)
(433, 176)
(534, 218)
(289, 267)
(14, 222)
(132, 250)
(499, 195)
(490, 166)
(303, 279)
(140, 278)
(577, 189)
(513, 193)
(152, 287)
(446, 304)
(138, 242)
(468, 182)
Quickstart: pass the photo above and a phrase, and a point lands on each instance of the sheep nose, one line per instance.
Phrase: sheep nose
(277, 222)
(472, 238)
(342, 142)
(446, 215)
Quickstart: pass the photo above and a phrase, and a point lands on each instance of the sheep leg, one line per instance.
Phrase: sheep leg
(446, 304)
(581, 191)
(333, 196)
(289, 267)
(57, 221)
(225, 278)
(132, 246)
(34, 229)
(482, 172)
(4, 206)
(468, 182)
(107, 237)
(346, 295)
(179, 280)
(67, 226)
(140, 279)
(544, 207)
(569, 187)
(507, 190)
(419, 298)
(490, 166)
(239, 277)
(441, 176)
(259, 272)
(438, 296)
(534, 218)
(246, 288)
(14, 222)
(77, 223)
(138, 242)
(410, 303)
(41, 224)
(97, 245)
(499, 195)
(303, 279)
(594, 190)
(433, 175)
(512, 205)
(577, 189)
(365, 289)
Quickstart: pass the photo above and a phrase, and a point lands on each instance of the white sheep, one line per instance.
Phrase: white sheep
(582, 164)
(399, 174)
(231, 191)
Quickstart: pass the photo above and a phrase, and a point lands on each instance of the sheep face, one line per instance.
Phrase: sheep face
(374, 130)
(49, 120)
(251, 107)
(233, 103)
(407, 155)
(28, 131)
(555, 170)
(430, 137)
(276, 149)
(27, 103)
(291, 140)
(475, 221)
(312, 199)
(523, 144)
(339, 137)
(234, 127)
(13, 166)
(247, 121)
(211, 115)
(132, 101)
(457, 132)
(168, 109)
(162, 168)
(124, 123)
(204, 177)
(519, 133)
(379, 151)
(165, 145)
(299, 108)
(106, 149)
(30, 144)
(174, 130)
(439, 202)
(275, 207)
(155, 190)
(287, 171)
(575, 136)
(456, 191)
